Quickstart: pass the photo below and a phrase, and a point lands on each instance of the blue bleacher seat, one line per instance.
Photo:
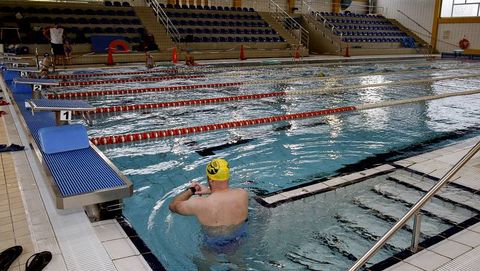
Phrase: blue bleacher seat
(117, 4)
(132, 30)
(222, 39)
(230, 39)
(214, 39)
(93, 21)
(251, 10)
(206, 8)
(109, 30)
(125, 21)
(115, 21)
(104, 21)
(196, 39)
(136, 40)
(120, 30)
(108, 3)
(130, 13)
(169, 6)
(120, 13)
(219, 8)
(110, 12)
(98, 30)
(125, 4)
(206, 39)
(200, 7)
(213, 8)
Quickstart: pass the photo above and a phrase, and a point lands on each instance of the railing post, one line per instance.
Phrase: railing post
(417, 224)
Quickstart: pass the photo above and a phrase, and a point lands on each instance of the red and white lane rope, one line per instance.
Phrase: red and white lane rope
(212, 127)
(115, 139)
(87, 75)
(128, 80)
(121, 108)
(85, 94)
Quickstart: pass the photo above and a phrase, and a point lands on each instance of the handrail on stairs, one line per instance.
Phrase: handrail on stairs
(292, 26)
(415, 22)
(415, 211)
(162, 16)
(318, 18)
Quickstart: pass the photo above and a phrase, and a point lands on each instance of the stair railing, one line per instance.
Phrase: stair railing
(162, 17)
(415, 211)
(292, 26)
(318, 18)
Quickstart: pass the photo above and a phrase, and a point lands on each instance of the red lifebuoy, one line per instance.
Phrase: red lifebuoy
(114, 44)
(464, 43)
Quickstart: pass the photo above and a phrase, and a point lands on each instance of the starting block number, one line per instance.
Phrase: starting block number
(65, 115)
(37, 87)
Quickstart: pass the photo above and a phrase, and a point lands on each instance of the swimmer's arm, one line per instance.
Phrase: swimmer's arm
(184, 205)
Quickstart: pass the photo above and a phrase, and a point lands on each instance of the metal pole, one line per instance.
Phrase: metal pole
(415, 208)
(417, 225)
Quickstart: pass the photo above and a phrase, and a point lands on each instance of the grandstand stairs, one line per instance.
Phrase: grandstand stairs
(289, 38)
(412, 34)
(149, 21)
(324, 41)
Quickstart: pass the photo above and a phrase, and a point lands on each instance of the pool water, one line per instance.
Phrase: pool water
(307, 234)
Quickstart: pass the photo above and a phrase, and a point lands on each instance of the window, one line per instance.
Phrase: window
(460, 8)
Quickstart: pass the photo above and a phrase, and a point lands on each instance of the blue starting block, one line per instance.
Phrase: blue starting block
(30, 85)
(63, 109)
(9, 75)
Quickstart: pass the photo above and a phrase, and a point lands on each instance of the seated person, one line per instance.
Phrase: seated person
(149, 63)
(189, 59)
(45, 65)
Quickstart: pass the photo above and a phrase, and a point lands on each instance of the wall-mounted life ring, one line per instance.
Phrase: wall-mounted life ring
(116, 44)
(464, 43)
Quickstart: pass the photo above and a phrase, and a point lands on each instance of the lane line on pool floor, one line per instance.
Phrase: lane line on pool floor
(88, 75)
(255, 96)
(96, 93)
(115, 139)
(127, 80)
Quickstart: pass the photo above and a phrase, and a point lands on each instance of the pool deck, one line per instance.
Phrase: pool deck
(28, 216)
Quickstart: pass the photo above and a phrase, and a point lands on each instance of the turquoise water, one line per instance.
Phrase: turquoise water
(268, 158)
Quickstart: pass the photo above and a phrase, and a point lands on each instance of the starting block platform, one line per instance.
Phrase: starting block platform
(29, 85)
(78, 173)
(63, 109)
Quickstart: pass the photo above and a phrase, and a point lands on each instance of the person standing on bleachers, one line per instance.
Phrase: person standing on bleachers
(56, 34)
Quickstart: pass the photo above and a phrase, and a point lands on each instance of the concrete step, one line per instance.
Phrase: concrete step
(149, 20)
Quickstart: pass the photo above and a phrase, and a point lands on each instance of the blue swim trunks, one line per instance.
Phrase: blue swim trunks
(226, 243)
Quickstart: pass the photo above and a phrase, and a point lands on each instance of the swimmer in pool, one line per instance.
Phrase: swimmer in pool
(221, 210)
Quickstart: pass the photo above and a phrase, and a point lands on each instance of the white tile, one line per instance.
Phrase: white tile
(295, 193)
(353, 176)
(403, 266)
(384, 168)
(467, 237)
(427, 260)
(49, 244)
(274, 198)
(475, 228)
(56, 264)
(335, 182)
(449, 248)
(131, 263)
(120, 248)
(404, 163)
(316, 187)
(103, 222)
(106, 232)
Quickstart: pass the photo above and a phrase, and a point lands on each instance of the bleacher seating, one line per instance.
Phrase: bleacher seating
(79, 23)
(220, 24)
(365, 28)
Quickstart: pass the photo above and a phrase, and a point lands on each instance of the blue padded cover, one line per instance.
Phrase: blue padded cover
(63, 138)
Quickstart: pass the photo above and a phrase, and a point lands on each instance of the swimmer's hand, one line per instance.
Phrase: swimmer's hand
(200, 188)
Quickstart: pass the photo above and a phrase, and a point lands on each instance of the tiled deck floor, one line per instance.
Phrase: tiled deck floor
(14, 228)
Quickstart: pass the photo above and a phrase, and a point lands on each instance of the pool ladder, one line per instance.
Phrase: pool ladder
(415, 212)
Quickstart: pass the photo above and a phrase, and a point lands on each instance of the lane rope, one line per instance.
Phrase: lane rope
(86, 75)
(129, 80)
(255, 96)
(68, 95)
(115, 139)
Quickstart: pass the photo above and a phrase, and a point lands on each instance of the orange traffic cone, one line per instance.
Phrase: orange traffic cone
(347, 51)
(297, 54)
(110, 57)
(174, 55)
(242, 53)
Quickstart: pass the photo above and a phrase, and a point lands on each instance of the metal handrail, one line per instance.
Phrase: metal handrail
(282, 17)
(162, 16)
(415, 22)
(319, 18)
(415, 210)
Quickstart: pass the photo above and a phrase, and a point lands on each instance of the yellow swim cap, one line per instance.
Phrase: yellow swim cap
(218, 170)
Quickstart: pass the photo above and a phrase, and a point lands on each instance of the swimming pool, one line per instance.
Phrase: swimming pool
(271, 157)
